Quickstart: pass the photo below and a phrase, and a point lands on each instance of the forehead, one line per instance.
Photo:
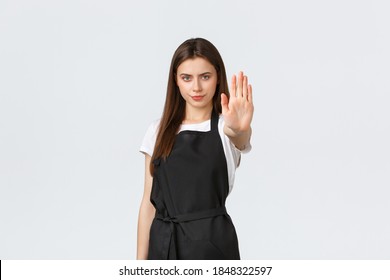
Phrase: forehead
(194, 66)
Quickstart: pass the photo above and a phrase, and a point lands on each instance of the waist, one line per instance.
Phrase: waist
(193, 216)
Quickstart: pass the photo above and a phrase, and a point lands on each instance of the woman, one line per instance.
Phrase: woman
(191, 155)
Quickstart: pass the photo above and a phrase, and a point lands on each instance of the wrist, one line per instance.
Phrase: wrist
(230, 132)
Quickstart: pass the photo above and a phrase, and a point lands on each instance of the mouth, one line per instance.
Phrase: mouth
(197, 97)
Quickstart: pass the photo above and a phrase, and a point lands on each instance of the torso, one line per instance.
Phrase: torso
(189, 193)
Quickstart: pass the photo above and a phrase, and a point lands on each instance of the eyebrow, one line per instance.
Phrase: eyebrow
(205, 73)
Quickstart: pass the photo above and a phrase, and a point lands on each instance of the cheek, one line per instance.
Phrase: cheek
(212, 86)
(183, 87)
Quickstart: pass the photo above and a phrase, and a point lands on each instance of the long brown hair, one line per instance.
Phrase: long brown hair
(174, 108)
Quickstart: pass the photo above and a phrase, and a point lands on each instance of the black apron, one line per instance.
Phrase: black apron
(189, 192)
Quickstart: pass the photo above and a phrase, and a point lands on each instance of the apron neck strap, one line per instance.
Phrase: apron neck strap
(214, 121)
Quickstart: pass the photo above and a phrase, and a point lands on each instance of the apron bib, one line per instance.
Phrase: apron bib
(189, 192)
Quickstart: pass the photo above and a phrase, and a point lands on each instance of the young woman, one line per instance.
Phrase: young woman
(191, 154)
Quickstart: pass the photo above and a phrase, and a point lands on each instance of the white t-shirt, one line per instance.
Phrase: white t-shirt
(232, 154)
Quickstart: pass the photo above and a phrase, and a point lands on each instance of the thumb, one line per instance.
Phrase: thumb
(224, 103)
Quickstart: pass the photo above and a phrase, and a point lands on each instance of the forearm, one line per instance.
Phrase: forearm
(239, 139)
(145, 218)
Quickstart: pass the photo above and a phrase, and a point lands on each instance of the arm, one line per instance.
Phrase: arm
(238, 111)
(146, 215)
(240, 140)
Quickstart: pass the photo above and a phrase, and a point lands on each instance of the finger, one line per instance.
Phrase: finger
(224, 103)
(245, 88)
(233, 89)
(250, 98)
(239, 84)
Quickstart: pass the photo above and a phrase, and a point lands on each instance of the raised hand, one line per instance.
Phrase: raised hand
(238, 109)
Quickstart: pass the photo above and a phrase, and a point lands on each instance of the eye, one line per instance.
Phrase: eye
(206, 77)
(186, 78)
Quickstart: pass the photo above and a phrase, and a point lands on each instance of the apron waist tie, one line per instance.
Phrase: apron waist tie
(170, 243)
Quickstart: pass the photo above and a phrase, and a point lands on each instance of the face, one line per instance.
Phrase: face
(197, 82)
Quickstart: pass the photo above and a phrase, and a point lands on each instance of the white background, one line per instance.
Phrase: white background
(80, 81)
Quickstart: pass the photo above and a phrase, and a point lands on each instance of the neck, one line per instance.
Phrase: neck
(197, 115)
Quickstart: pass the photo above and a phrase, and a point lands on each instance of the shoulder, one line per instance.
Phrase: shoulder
(152, 130)
(149, 139)
(153, 126)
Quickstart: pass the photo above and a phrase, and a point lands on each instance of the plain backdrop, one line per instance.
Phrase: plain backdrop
(80, 81)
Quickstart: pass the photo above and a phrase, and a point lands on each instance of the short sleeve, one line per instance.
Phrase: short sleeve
(232, 154)
(149, 139)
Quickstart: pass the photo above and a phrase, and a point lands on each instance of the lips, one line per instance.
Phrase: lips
(197, 97)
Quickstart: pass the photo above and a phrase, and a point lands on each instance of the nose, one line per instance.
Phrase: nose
(197, 87)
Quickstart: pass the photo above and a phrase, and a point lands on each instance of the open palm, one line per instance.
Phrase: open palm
(238, 109)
